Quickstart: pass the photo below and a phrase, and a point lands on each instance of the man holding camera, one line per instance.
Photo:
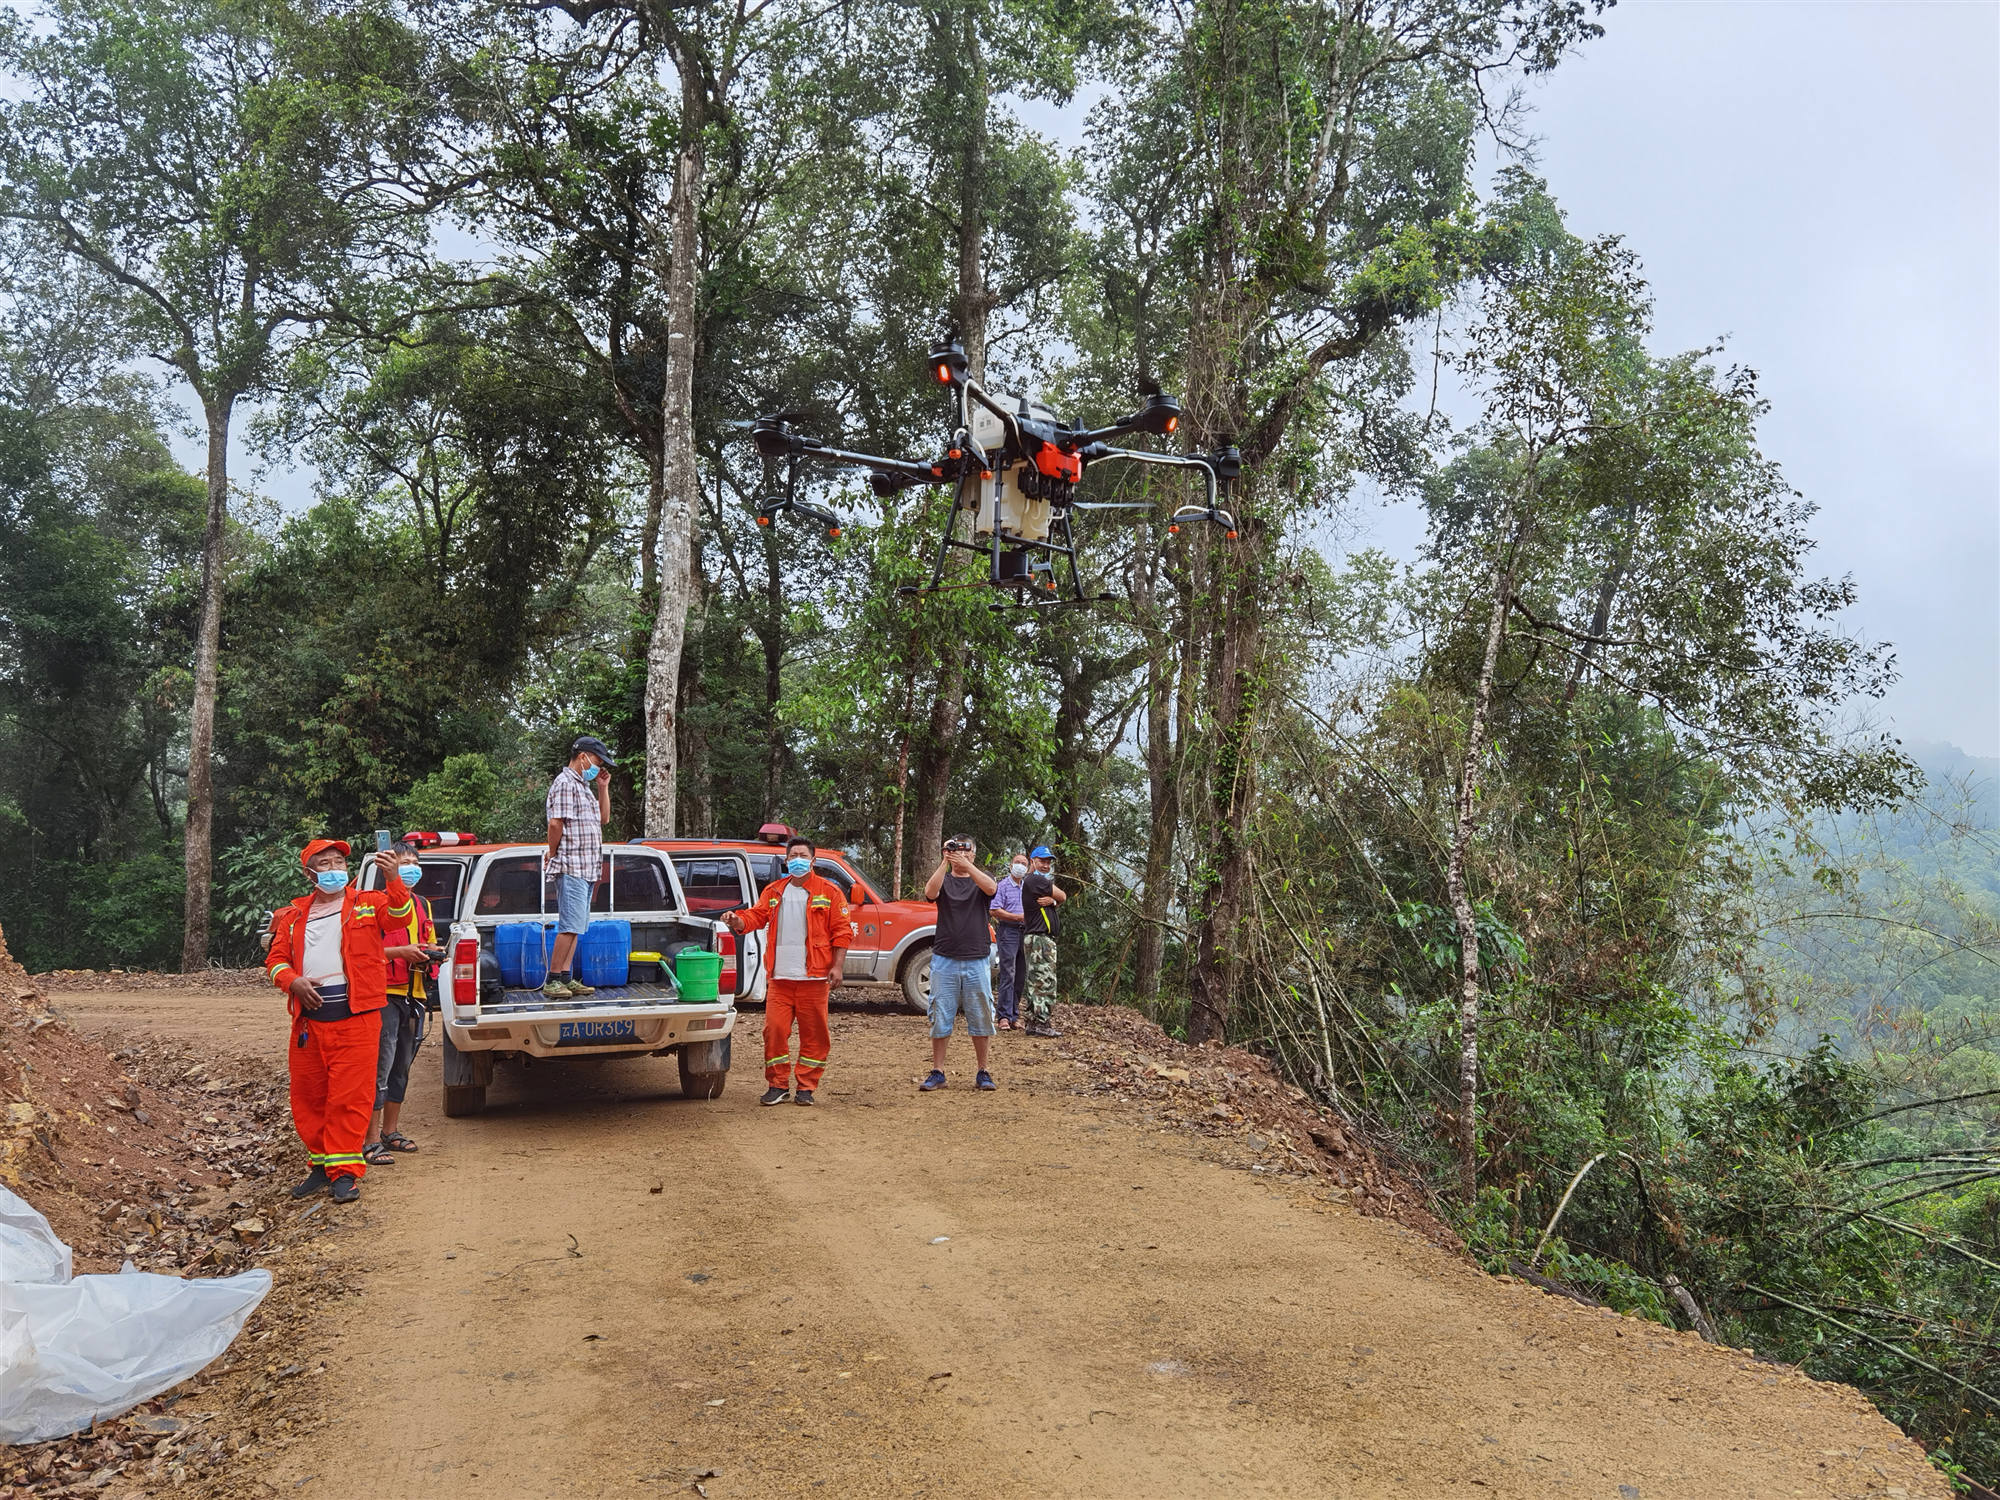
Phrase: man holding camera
(960, 979)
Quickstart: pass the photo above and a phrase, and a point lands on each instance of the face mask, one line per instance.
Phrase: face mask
(798, 868)
(411, 873)
(1020, 872)
(590, 773)
(331, 881)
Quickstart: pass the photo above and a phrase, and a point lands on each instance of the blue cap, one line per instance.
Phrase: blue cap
(1041, 851)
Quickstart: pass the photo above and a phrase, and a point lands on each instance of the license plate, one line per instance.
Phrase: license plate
(597, 1031)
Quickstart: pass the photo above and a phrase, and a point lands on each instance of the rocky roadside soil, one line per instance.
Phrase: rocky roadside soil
(176, 1162)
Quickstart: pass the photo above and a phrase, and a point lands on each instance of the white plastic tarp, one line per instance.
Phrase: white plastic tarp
(74, 1350)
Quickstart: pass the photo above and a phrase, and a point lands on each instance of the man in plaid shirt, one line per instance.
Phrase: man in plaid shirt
(578, 808)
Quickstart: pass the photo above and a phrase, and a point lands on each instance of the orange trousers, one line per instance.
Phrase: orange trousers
(333, 1088)
(803, 1000)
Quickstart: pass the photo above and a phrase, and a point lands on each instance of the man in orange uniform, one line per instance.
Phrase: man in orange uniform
(804, 952)
(328, 956)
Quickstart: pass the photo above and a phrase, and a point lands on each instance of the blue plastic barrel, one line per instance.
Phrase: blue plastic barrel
(604, 954)
(522, 952)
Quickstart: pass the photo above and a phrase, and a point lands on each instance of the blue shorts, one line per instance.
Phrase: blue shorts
(573, 903)
(961, 984)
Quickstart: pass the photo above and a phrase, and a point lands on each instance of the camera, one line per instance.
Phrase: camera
(956, 846)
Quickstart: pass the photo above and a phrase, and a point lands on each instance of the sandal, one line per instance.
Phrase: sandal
(378, 1155)
(395, 1140)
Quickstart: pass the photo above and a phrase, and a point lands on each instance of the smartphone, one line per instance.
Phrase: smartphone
(381, 841)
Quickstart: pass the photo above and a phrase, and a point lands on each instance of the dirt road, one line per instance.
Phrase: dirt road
(599, 1288)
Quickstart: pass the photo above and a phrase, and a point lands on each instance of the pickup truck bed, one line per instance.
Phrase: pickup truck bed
(625, 994)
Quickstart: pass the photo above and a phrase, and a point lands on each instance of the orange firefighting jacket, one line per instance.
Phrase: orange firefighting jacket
(366, 916)
(828, 925)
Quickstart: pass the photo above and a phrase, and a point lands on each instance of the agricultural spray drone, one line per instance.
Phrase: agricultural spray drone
(1014, 468)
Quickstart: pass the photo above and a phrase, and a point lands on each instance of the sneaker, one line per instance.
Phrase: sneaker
(315, 1182)
(773, 1096)
(578, 987)
(345, 1189)
(985, 1080)
(803, 1096)
(932, 1080)
(557, 989)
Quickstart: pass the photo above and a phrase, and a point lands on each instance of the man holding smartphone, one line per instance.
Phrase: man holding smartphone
(329, 955)
(960, 979)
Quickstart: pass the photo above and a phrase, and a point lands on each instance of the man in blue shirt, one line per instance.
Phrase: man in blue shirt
(1007, 932)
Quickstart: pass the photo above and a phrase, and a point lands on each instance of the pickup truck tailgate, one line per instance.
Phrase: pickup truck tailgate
(629, 1018)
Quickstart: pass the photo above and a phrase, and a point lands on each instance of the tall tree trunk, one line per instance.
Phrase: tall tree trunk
(1234, 681)
(680, 473)
(896, 851)
(1164, 807)
(1454, 879)
(933, 774)
(938, 747)
(197, 861)
(771, 637)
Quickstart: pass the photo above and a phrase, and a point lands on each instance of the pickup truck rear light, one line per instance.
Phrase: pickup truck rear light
(725, 942)
(465, 973)
(706, 1023)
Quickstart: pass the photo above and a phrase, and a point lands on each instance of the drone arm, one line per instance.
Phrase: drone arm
(974, 392)
(908, 468)
(1165, 460)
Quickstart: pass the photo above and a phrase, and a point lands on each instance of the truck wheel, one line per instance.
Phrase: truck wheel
(917, 980)
(704, 1069)
(466, 1075)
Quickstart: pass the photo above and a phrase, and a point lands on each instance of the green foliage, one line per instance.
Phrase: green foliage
(461, 795)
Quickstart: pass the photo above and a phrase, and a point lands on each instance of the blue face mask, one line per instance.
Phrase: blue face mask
(798, 869)
(589, 773)
(411, 873)
(331, 881)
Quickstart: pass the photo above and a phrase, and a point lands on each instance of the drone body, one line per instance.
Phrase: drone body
(1014, 468)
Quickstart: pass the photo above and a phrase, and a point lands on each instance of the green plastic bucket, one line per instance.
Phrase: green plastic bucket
(697, 974)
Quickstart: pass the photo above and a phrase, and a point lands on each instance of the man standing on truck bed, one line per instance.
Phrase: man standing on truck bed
(579, 806)
(328, 957)
(803, 959)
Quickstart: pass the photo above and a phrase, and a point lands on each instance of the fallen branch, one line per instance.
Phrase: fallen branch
(1692, 1308)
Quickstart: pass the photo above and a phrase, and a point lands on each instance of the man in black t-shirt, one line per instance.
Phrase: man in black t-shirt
(960, 978)
(1041, 905)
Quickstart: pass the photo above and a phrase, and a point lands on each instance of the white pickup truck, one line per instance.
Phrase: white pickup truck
(474, 889)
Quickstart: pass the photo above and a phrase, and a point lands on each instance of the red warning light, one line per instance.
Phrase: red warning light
(1172, 423)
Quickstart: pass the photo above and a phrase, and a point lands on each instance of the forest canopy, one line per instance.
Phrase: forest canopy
(1564, 855)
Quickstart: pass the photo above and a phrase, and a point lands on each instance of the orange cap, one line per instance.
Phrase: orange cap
(320, 846)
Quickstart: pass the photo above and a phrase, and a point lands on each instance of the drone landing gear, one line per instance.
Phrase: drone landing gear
(770, 507)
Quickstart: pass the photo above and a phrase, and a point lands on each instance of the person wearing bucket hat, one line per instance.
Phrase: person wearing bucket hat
(329, 958)
(1041, 903)
(579, 805)
(803, 960)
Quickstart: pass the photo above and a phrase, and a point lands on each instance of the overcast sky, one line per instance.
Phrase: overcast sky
(1821, 183)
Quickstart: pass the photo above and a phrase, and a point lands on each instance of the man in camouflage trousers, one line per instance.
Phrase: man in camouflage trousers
(1041, 906)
